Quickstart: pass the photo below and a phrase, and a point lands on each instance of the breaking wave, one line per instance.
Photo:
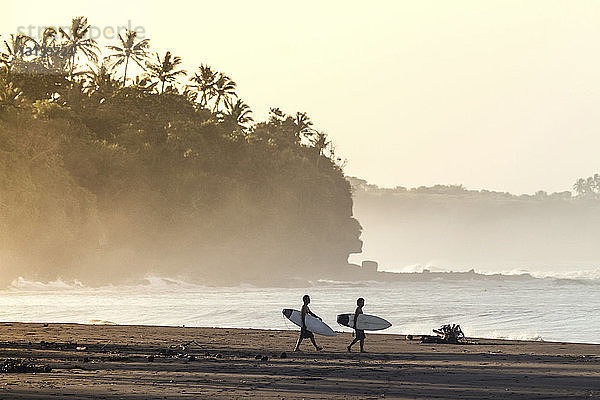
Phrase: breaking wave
(548, 306)
(588, 276)
(21, 283)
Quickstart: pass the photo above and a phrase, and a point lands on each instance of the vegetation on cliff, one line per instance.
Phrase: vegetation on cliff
(108, 172)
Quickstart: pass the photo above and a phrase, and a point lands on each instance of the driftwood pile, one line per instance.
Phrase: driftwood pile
(447, 334)
(22, 366)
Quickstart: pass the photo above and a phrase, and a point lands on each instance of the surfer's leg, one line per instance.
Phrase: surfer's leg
(357, 337)
(311, 336)
(298, 342)
(360, 336)
(312, 339)
(352, 344)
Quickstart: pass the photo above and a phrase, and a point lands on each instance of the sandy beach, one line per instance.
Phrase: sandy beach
(131, 362)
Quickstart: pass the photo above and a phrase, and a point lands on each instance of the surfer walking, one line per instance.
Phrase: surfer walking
(359, 334)
(304, 332)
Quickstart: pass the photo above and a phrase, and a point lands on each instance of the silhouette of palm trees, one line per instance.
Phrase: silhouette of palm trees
(165, 69)
(129, 50)
(48, 54)
(238, 114)
(320, 142)
(587, 187)
(77, 42)
(224, 91)
(14, 50)
(100, 84)
(596, 183)
(302, 126)
(205, 80)
(580, 187)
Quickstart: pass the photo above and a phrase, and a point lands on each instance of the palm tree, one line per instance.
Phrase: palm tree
(77, 42)
(129, 49)
(596, 185)
(238, 115)
(320, 142)
(224, 90)
(276, 116)
(165, 70)
(46, 49)
(303, 125)
(100, 84)
(590, 184)
(205, 81)
(581, 187)
(14, 50)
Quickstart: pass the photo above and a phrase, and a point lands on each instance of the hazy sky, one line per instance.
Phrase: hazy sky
(501, 95)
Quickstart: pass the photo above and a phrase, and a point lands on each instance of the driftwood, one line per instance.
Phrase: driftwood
(447, 334)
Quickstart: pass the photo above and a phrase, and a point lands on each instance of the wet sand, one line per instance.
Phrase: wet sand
(139, 362)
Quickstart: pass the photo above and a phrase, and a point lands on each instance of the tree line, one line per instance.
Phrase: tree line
(583, 189)
(119, 162)
(588, 187)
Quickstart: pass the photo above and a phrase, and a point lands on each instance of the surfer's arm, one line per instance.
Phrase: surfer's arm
(356, 313)
(314, 315)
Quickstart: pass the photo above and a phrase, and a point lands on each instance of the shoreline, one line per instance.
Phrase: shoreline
(141, 361)
(335, 328)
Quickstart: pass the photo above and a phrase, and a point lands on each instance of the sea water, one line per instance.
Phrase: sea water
(548, 308)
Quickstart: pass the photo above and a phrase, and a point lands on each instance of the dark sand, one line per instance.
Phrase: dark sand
(115, 365)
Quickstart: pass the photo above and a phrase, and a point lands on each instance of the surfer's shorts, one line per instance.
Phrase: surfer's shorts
(360, 334)
(306, 334)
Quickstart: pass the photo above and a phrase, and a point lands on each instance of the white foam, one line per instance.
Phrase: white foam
(519, 335)
(21, 283)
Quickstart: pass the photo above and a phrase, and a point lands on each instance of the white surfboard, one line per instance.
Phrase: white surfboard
(312, 324)
(365, 322)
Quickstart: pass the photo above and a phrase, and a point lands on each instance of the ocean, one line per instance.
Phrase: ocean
(551, 308)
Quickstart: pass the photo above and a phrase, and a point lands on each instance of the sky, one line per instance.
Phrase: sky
(500, 95)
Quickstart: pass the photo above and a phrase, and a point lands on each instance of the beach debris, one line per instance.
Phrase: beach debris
(447, 334)
(257, 357)
(180, 350)
(184, 345)
(150, 358)
(450, 333)
(283, 355)
(57, 345)
(80, 348)
(264, 358)
(168, 352)
(23, 366)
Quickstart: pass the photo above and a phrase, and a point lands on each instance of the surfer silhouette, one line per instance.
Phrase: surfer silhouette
(359, 333)
(305, 333)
